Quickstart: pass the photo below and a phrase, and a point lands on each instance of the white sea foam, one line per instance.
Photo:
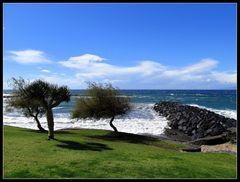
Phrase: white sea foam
(141, 120)
(140, 96)
(199, 94)
(227, 113)
(7, 95)
(57, 108)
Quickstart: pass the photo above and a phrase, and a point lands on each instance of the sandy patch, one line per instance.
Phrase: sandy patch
(225, 147)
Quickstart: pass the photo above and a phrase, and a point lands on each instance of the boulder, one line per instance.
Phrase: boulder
(176, 135)
(213, 140)
(192, 149)
(196, 123)
(232, 134)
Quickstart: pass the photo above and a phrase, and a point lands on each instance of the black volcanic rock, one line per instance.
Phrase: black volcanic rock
(196, 123)
(212, 140)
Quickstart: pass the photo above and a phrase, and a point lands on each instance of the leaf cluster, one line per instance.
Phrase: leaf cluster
(48, 95)
(20, 101)
(35, 97)
(101, 101)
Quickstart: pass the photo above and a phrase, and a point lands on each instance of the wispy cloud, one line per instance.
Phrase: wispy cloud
(81, 61)
(145, 74)
(224, 77)
(71, 82)
(93, 67)
(29, 56)
(203, 66)
(46, 71)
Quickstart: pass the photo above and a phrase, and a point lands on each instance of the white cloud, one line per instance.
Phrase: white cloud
(224, 77)
(81, 61)
(71, 82)
(46, 71)
(145, 74)
(111, 81)
(92, 65)
(5, 85)
(93, 68)
(203, 66)
(29, 56)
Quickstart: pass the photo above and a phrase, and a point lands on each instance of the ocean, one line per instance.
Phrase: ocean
(142, 119)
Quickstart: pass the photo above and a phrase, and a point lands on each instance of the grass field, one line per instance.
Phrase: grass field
(88, 153)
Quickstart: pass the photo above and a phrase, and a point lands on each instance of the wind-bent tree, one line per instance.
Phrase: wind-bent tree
(103, 101)
(46, 96)
(30, 108)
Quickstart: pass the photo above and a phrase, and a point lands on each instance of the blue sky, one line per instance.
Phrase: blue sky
(133, 46)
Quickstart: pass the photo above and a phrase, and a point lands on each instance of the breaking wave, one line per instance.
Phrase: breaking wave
(227, 113)
(141, 120)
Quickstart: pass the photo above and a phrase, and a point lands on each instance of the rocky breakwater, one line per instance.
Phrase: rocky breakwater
(197, 125)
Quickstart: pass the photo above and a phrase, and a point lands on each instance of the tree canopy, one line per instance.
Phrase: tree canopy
(41, 96)
(18, 100)
(101, 101)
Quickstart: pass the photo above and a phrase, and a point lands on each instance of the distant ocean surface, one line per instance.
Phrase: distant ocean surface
(142, 119)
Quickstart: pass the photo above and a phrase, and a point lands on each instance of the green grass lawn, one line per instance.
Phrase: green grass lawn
(88, 153)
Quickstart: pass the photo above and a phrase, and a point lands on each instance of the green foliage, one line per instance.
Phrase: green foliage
(38, 98)
(102, 101)
(48, 95)
(21, 101)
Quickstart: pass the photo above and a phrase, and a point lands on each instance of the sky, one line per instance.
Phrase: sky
(131, 45)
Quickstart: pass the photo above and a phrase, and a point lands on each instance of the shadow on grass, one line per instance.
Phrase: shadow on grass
(44, 132)
(126, 137)
(25, 173)
(82, 146)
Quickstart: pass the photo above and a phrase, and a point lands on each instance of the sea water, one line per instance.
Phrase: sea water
(142, 119)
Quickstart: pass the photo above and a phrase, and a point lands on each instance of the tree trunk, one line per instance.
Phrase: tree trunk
(39, 125)
(111, 124)
(50, 122)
